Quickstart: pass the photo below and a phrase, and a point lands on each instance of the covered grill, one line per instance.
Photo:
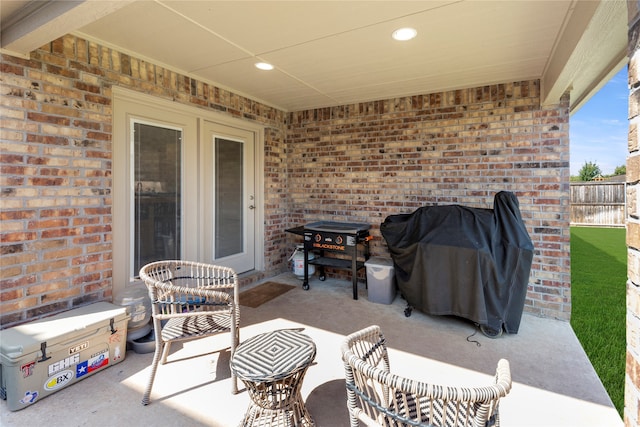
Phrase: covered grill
(469, 262)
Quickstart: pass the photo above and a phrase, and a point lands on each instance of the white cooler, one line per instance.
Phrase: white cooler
(44, 356)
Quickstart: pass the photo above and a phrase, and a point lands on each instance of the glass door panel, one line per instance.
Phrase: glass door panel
(228, 198)
(157, 194)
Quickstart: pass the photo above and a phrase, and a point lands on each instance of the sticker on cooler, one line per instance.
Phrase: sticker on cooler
(27, 369)
(116, 354)
(59, 380)
(29, 397)
(63, 364)
(95, 362)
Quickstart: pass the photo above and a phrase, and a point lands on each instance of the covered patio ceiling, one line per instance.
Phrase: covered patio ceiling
(329, 53)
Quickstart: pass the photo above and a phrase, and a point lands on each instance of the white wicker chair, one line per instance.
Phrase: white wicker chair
(190, 300)
(379, 398)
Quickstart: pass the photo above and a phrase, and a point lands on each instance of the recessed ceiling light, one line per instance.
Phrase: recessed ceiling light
(403, 34)
(264, 66)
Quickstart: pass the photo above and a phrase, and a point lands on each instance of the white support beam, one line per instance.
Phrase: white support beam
(590, 50)
(39, 23)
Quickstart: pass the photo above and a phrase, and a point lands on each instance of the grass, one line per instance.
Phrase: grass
(598, 294)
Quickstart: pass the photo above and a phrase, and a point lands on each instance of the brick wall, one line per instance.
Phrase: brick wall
(362, 162)
(366, 161)
(55, 160)
(632, 379)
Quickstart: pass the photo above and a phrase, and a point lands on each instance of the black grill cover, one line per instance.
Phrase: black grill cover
(468, 262)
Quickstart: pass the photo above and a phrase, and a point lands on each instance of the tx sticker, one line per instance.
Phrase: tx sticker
(93, 364)
(29, 397)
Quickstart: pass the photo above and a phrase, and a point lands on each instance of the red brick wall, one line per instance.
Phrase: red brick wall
(55, 166)
(366, 161)
(362, 162)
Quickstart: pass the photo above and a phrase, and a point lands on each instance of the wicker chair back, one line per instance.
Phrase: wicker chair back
(377, 397)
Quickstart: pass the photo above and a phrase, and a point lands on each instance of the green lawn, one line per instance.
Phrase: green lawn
(598, 293)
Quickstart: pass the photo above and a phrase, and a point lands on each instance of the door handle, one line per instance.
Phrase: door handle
(251, 207)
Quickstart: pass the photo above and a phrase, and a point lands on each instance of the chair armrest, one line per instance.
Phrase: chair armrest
(503, 377)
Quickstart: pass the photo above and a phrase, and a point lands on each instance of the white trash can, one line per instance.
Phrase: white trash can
(381, 280)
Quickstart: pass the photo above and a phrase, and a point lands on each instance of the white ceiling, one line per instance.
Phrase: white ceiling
(340, 52)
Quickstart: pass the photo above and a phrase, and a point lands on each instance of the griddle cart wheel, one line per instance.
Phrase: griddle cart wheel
(321, 275)
(305, 286)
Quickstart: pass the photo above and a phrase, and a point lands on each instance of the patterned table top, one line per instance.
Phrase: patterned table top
(273, 355)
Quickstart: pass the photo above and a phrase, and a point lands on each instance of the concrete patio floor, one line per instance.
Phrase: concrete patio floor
(554, 383)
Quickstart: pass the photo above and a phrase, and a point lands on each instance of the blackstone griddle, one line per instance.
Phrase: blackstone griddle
(337, 245)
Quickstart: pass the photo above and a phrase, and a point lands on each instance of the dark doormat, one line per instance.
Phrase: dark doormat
(265, 292)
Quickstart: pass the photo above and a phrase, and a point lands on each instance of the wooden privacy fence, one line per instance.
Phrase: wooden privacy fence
(600, 204)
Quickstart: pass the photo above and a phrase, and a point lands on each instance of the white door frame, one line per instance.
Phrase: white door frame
(128, 104)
